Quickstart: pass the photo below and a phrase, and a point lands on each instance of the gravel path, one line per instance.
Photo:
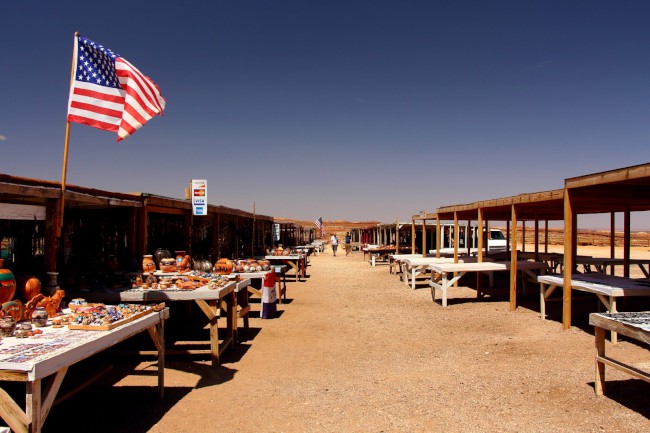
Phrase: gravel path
(355, 350)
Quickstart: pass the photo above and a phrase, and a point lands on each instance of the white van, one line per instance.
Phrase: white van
(496, 241)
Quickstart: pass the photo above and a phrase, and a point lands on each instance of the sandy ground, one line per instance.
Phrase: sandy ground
(355, 350)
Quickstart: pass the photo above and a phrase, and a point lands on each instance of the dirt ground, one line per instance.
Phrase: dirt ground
(355, 350)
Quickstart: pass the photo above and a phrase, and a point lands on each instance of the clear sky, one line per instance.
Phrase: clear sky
(359, 110)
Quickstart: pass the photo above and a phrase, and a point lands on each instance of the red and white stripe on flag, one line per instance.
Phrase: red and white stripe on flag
(109, 93)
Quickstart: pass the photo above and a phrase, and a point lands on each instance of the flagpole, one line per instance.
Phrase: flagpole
(64, 170)
(253, 243)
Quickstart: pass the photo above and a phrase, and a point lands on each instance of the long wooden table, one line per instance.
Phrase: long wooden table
(295, 262)
(632, 325)
(606, 287)
(439, 273)
(384, 253)
(396, 260)
(606, 264)
(210, 302)
(43, 362)
(414, 267)
(243, 295)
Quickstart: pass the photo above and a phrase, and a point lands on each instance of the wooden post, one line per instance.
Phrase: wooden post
(132, 233)
(508, 231)
(143, 217)
(626, 243)
(569, 220)
(412, 235)
(253, 240)
(455, 237)
(424, 236)
(50, 235)
(612, 239)
(438, 237)
(189, 217)
(546, 236)
(468, 237)
(513, 262)
(536, 239)
(396, 235)
(523, 235)
(480, 234)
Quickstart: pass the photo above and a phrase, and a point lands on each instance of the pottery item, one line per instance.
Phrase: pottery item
(223, 266)
(168, 265)
(76, 303)
(31, 288)
(160, 254)
(148, 265)
(7, 284)
(39, 317)
(14, 308)
(185, 264)
(7, 326)
(180, 255)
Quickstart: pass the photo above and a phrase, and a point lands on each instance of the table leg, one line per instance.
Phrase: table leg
(296, 268)
(444, 289)
(242, 309)
(214, 335)
(13, 414)
(231, 321)
(33, 405)
(542, 302)
(157, 334)
(613, 309)
(599, 382)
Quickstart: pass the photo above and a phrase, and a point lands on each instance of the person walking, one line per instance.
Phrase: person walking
(335, 243)
(348, 244)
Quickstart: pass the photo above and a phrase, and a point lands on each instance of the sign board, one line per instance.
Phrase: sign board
(199, 194)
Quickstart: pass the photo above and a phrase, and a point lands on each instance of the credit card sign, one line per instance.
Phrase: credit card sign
(199, 197)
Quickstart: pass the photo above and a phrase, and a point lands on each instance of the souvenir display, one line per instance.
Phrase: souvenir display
(189, 281)
(167, 265)
(223, 266)
(160, 254)
(7, 326)
(49, 303)
(13, 309)
(106, 317)
(183, 261)
(28, 289)
(252, 265)
(202, 265)
(39, 317)
(148, 264)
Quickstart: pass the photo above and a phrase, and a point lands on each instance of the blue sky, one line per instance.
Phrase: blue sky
(360, 110)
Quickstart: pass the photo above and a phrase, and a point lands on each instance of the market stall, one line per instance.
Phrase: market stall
(42, 361)
(441, 281)
(213, 302)
(633, 325)
(294, 262)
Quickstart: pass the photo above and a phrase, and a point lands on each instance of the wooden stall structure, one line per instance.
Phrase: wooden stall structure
(104, 231)
(168, 223)
(362, 236)
(427, 222)
(541, 206)
(101, 223)
(624, 190)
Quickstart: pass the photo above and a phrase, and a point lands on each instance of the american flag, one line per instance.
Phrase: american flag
(319, 224)
(109, 93)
